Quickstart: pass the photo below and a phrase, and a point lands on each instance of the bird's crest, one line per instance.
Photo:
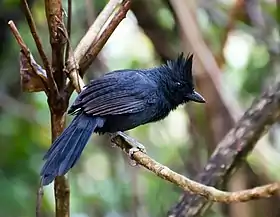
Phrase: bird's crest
(182, 66)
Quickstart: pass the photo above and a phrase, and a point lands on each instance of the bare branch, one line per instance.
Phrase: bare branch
(210, 193)
(18, 37)
(91, 52)
(61, 186)
(31, 23)
(89, 38)
(77, 82)
(27, 54)
(40, 194)
(57, 103)
(54, 14)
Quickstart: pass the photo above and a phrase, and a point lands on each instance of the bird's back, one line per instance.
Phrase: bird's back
(125, 98)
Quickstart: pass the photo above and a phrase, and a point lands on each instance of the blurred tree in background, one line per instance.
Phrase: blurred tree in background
(243, 37)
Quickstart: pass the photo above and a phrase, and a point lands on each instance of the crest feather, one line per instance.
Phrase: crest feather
(182, 66)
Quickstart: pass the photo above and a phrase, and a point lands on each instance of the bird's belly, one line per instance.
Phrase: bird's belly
(124, 122)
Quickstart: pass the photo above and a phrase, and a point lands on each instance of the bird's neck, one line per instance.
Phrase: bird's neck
(166, 87)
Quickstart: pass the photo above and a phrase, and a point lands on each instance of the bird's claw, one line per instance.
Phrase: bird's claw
(135, 146)
(113, 144)
(131, 151)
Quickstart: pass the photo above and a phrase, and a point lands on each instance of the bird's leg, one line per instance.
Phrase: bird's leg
(128, 144)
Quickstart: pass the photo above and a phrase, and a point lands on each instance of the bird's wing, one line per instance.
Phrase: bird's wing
(117, 93)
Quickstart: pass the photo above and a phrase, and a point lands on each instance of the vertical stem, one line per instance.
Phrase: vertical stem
(61, 186)
(54, 16)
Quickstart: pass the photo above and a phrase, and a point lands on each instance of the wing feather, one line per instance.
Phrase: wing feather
(115, 95)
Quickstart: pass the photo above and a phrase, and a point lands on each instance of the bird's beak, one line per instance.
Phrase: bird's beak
(196, 97)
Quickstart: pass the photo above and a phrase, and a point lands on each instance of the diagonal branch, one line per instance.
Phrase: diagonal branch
(88, 47)
(31, 23)
(27, 54)
(96, 47)
(210, 193)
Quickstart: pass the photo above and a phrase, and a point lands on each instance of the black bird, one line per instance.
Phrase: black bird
(120, 100)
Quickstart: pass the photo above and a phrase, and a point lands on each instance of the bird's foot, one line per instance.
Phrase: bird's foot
(111, 136)
(134, 145)
(133, 150)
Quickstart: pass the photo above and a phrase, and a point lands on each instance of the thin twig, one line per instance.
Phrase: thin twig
(77, 83)
(40, 194)
(89, 38)
(69, 23)
(80, 83)
(18, 37)
(26, 52)
(32, 26)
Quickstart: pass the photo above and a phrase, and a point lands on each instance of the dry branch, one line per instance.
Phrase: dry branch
(210, 193)
(25, 51)
(96, 47)
(39, 46)
(88, 48)
(57, 104)
(54, 15)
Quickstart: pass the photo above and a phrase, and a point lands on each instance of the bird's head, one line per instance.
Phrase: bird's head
(179, 83)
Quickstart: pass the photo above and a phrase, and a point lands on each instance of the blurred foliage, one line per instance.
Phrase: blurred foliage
(103, 183)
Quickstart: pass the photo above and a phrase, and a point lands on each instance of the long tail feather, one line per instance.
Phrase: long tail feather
(67, 148)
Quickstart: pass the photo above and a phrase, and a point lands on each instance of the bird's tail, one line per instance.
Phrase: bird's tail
(67, 148)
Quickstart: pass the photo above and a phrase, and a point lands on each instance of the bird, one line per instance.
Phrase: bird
(119, 101)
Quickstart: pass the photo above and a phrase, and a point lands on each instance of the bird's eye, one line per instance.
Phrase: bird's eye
(178, 84)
